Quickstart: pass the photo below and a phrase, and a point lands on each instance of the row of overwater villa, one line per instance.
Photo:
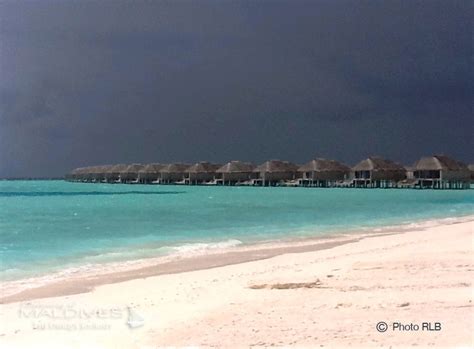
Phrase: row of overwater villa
(437, 172)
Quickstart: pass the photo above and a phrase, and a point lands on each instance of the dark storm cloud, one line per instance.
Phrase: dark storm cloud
(91, 82)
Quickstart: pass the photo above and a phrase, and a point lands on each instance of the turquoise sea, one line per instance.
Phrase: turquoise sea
(49, 225)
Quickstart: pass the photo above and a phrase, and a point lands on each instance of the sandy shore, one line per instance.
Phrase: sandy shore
(331, 296)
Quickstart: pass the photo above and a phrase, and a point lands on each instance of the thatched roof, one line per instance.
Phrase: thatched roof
(203, 167)
(152, 168)
(88, 170)
(236, 167)
(323, 165)
(133, 168)
(375, 163)
(99, 169)
(78, 170)
(276, 166)
(93, 169)
(439, 162)
(174, 168)
(117, 168)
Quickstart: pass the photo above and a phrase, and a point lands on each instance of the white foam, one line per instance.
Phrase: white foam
(199, 248)
(96, 269)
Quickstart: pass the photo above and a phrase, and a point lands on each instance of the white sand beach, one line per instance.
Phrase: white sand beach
(331, 297)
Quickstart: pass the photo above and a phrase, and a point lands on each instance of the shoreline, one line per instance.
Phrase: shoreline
(329, 297)
(16, 290)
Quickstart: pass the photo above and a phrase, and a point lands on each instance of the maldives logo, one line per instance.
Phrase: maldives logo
(78, 317)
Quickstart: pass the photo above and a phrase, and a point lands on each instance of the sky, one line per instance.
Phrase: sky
(103, 82)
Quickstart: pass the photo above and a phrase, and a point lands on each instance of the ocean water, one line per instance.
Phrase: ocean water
(46, 226)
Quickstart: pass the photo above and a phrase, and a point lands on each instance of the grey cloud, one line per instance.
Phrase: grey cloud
(117, 81)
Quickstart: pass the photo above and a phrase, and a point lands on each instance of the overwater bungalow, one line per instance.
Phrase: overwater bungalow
(84, 174)
(323, 173)
(79, 174)
(112, 175)
(437, 172)
(97, 173)
(172, 173)
(275, 172)
(201, 173)
(130, 173)
(376, 172)
(236, 172)
(150, 173)
(441, 172)
(87, 174)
